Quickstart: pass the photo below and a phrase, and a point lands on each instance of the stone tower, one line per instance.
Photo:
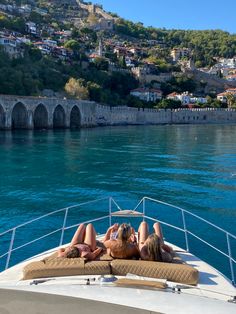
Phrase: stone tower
(100, 47)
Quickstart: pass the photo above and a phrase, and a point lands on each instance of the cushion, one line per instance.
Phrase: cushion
(53, 266)
(170, 271)
(64, 267)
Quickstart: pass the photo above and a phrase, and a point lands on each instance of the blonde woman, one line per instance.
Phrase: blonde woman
(124, 245)
(152, 247)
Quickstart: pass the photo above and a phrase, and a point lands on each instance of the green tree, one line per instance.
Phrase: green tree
(72, 44)
(133, 101)
(168, 104)
(101, 64)
(95, 91)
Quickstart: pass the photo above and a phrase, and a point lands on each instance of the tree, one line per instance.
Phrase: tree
(133, 101)
(168, 104)
(101, 64)
(76, 89)
(231, 100)
(95, 91)
(34, 53)
(73, 45)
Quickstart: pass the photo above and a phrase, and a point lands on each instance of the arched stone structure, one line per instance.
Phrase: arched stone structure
(59, 117)
(17, 112)
(40, 118)
(2, 118)
(19, 117)
(75, 118)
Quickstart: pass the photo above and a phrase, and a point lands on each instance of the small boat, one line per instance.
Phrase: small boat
(46, 284)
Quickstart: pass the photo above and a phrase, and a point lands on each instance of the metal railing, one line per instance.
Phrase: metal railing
(111, 202)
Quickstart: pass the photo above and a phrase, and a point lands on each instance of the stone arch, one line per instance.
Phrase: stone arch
(59, 117)
(40, 117)
(75, 118)
(19, 117)
(2, 118)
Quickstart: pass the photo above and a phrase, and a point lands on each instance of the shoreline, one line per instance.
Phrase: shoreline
(19, 112)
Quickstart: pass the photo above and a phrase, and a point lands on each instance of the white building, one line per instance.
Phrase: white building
(223, 97)
(129, 62)
(228, 62)
(147, 94)
(12, 47)
(186, 98)
(31, 28)
(179, 53)
(231, 77)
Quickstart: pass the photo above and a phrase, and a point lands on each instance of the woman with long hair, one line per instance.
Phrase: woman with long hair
(123, 245)
(152, 247)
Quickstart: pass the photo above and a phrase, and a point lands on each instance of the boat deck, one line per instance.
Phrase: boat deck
(212, 283)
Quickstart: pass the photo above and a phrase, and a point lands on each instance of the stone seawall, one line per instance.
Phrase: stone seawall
(17, 112)
(129, 116)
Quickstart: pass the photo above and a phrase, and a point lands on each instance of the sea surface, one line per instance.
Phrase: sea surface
(191, 166)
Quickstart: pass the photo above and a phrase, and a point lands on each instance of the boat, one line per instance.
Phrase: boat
(42, 284)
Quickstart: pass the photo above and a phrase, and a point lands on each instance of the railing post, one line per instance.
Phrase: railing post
(185, 231)
(10, 248)
(144, 208)
(230, 259)
(63, 227)
(110, 211)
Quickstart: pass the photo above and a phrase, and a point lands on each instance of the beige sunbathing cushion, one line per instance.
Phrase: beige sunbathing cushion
(56, 267)
(173, 272)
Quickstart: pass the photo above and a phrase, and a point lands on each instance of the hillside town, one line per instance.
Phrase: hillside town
(91, 39)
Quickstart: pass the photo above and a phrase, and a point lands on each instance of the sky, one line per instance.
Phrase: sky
(177, 14)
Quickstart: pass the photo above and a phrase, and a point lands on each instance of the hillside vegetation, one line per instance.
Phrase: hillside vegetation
(34, 71)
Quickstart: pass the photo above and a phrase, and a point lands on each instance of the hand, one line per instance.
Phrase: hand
(114, 227)
(133, 238)
(166, 248)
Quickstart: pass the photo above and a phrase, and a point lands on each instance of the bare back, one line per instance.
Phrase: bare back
(119, 249)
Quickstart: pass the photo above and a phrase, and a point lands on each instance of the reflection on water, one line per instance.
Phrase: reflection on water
(190, 166)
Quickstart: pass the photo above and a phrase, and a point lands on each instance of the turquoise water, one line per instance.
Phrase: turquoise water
(189, 166)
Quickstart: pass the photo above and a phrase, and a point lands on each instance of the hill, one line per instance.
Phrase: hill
(44, 44)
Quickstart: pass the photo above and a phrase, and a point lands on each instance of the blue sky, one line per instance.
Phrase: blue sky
(178, 14)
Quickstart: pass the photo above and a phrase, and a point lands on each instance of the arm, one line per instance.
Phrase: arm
(167, 248)
(61, 252)
(167, 253)
(109, 231)
(133, 238)
(92, 255)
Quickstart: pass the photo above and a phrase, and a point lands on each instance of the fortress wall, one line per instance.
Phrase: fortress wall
(94, 114)
(203, 116)
(125, 115)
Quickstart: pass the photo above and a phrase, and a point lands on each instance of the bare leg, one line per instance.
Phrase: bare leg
(79, 235)
(90, 237)
(142, 233)
(158, 231)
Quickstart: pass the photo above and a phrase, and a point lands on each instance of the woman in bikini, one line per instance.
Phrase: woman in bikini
(120, 242)
(152, 247)
(83, 244)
